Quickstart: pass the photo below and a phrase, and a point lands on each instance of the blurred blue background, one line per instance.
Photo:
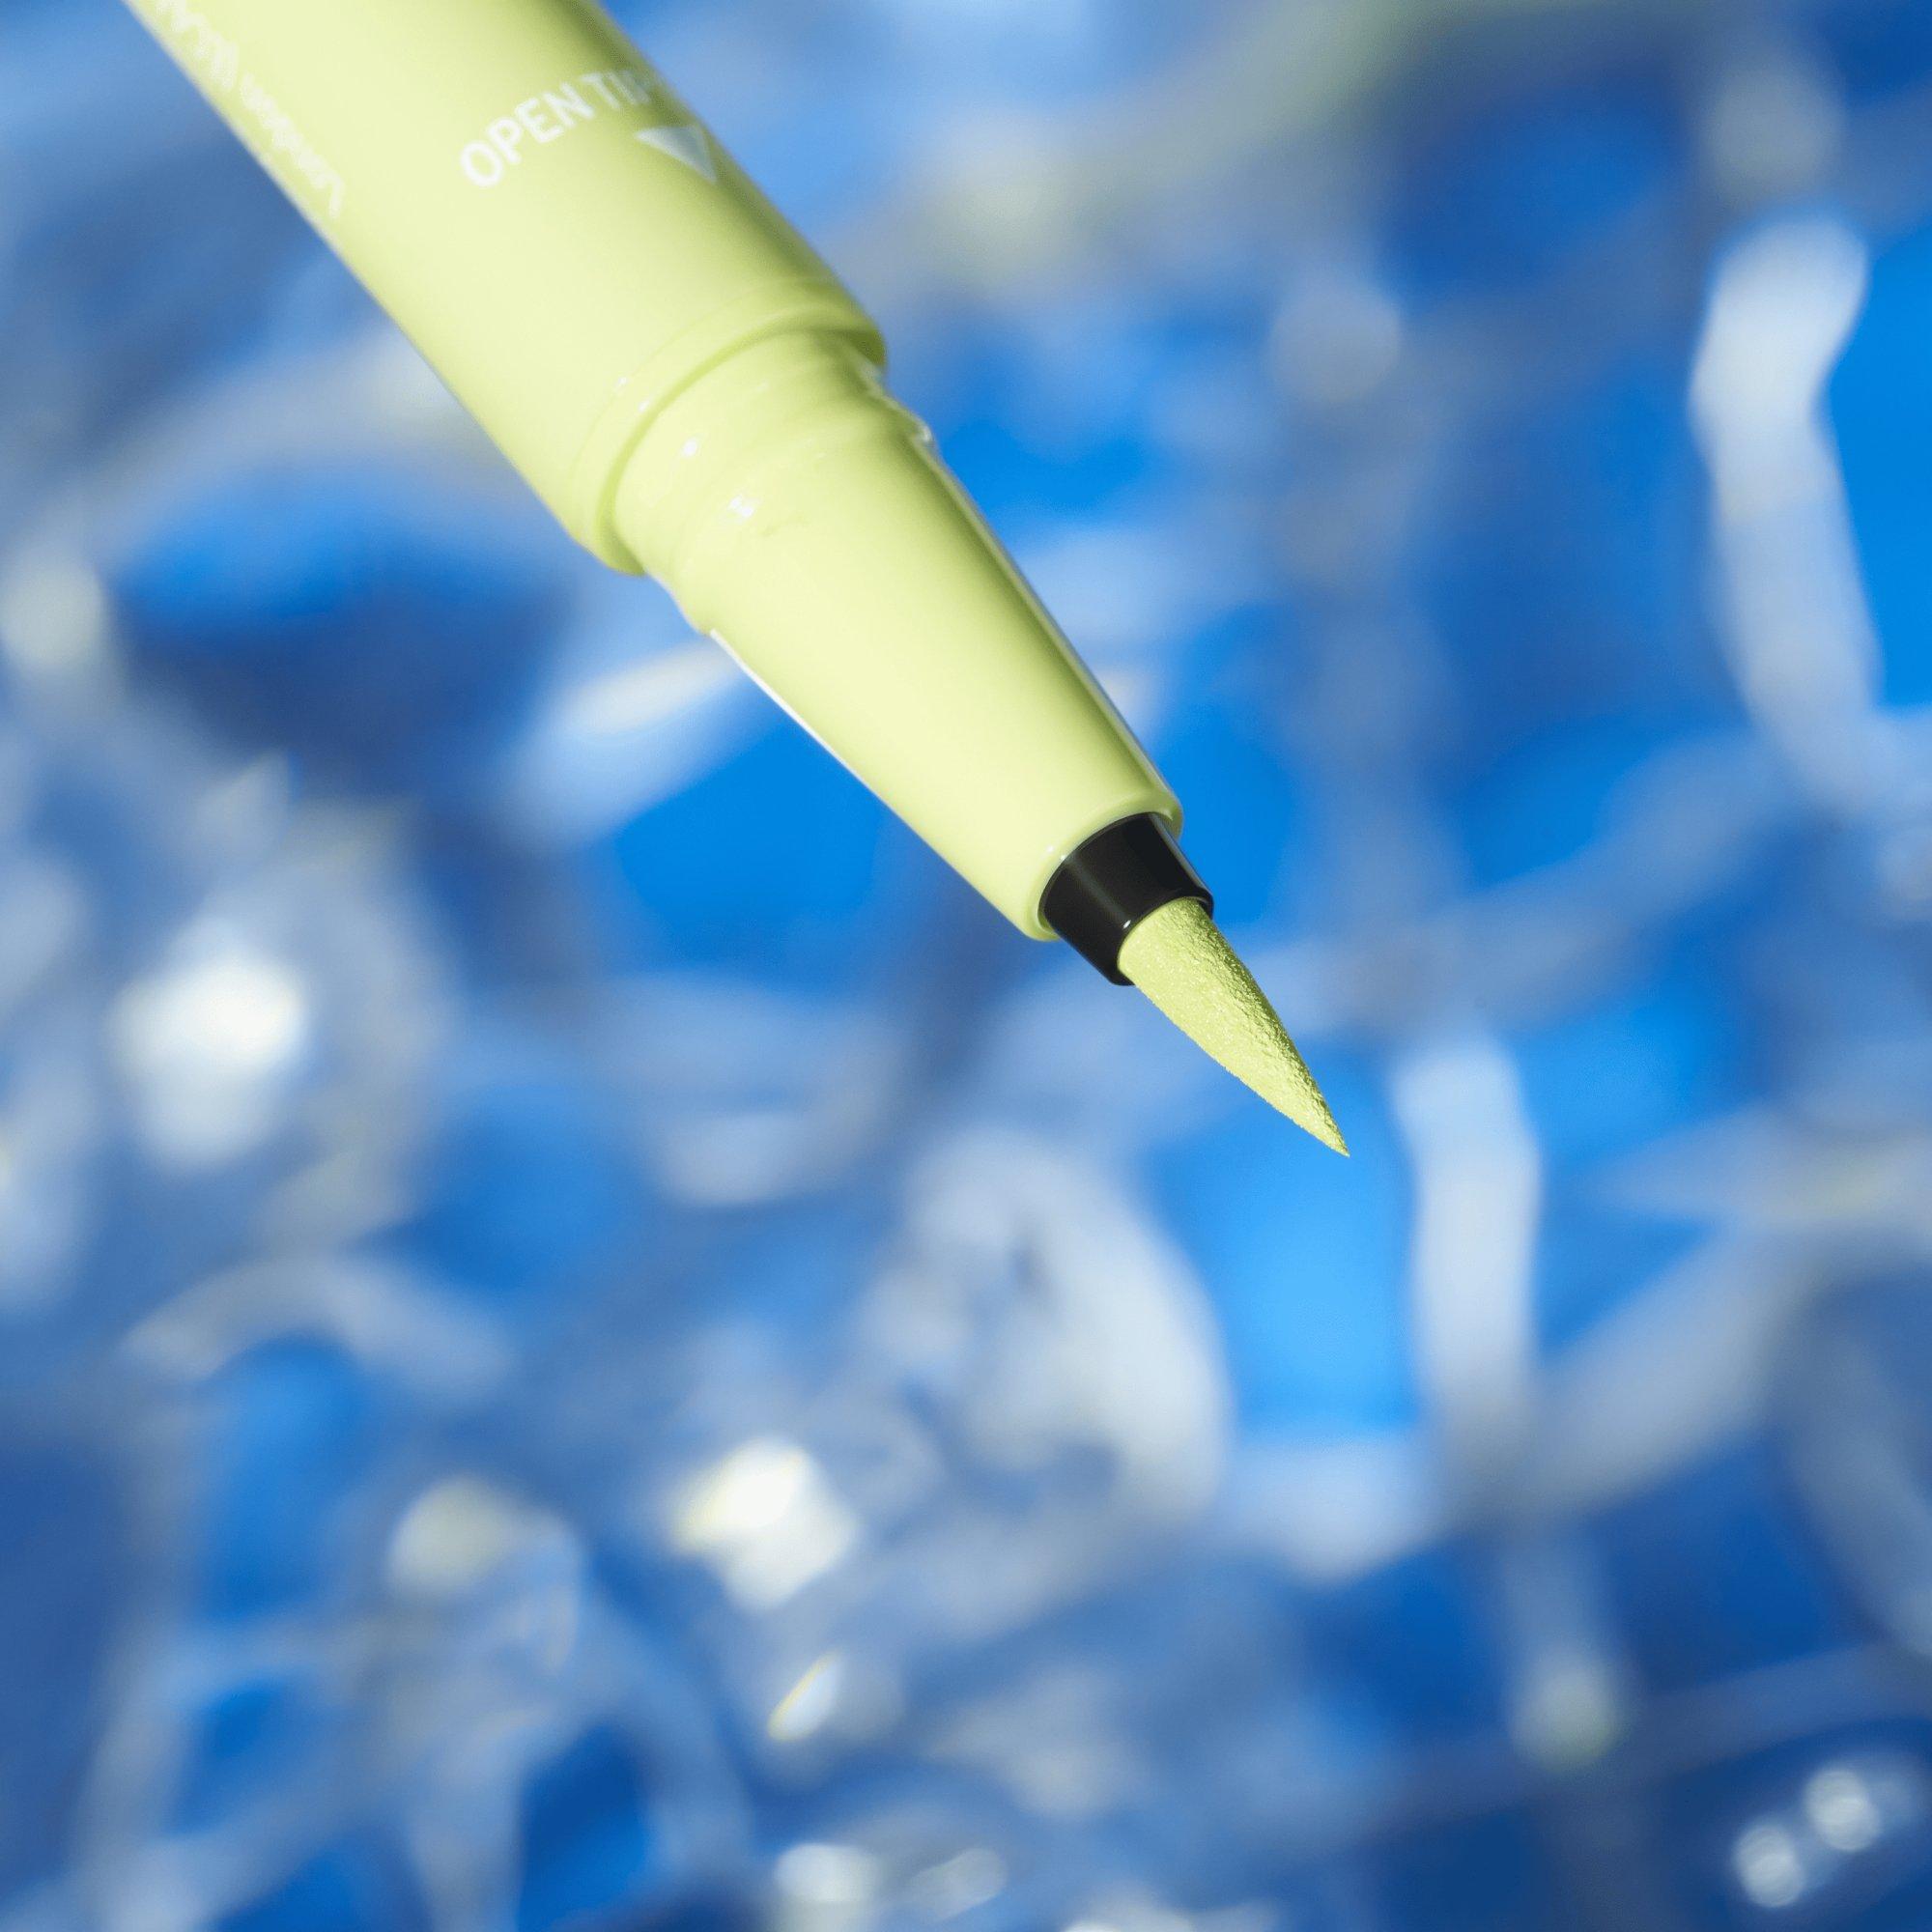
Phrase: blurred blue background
(589, 1341)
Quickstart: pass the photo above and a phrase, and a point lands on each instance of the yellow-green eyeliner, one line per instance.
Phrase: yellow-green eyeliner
(694, 394)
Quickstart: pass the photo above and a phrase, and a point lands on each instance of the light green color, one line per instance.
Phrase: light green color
(687, 385)
(1178, 957)
(690, 390)
(478, 164)
(843, 567)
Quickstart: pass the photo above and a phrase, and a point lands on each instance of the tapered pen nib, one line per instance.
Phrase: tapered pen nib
(1178, 957)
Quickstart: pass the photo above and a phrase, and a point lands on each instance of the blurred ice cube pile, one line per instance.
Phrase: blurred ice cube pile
(589, 1342)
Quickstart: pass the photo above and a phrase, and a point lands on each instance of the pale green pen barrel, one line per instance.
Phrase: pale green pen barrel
(687, 385)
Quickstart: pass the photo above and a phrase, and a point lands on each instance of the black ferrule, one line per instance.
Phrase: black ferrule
(1112, 883)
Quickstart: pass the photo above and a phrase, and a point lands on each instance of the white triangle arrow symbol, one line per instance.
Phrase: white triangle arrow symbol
(682, 143)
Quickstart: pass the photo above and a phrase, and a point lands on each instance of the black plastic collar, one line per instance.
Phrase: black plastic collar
(1112, 882)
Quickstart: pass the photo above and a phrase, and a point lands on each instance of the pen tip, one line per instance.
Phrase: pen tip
(1178, 957)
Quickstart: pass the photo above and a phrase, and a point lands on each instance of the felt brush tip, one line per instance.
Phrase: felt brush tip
(1178, 958)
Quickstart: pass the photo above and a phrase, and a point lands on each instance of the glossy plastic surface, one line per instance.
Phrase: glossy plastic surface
(527, 197)
(804, 520)
(686, 385)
